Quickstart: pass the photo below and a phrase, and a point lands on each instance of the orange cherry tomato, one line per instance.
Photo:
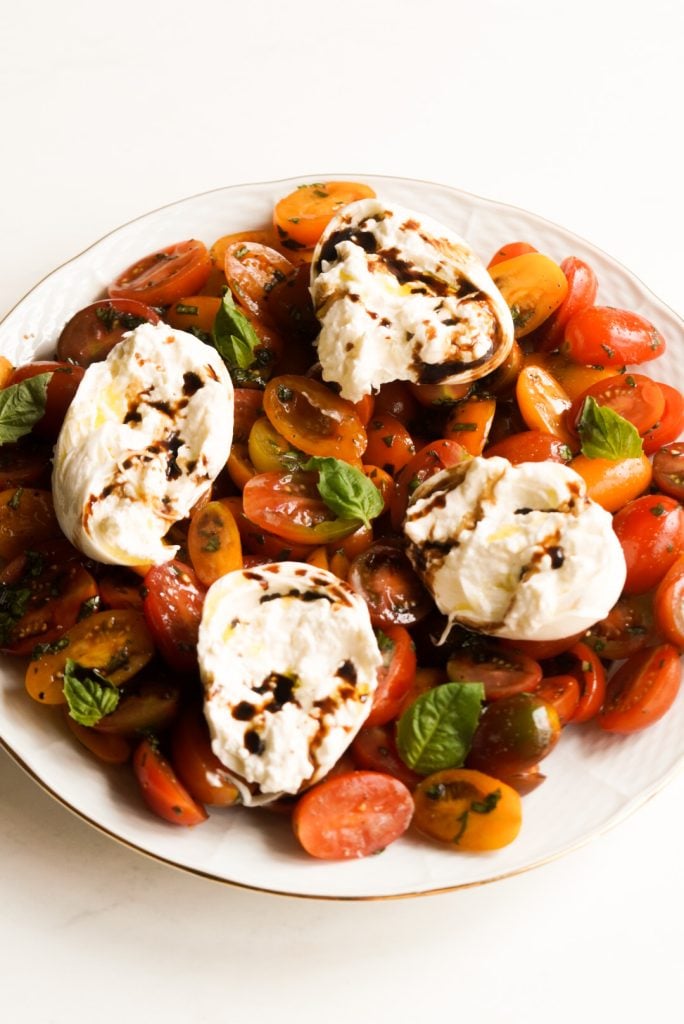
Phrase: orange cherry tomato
(383, 481)
(196, 765)
(389, 444)
(60, 391)
(543, 404)
(668, 604)
(533, 287)
(631, 395)
(582, 289)
(467, 810)
(150, 705)
(530, 446)
(110, 748)
(6, 369)
(671, 422)
(217, 252)
(214, 542)
(395, 675)
(252, 270)
(352, 815)
(193, 313)
(572, 377)
(469, 423)
(240, 467)
(27, 518)
(314, 419)
(120, 588)
(248, 406)
(642, 690)
(651, 532)
(431, 459)
(335, 562)
(439, 394)
(605, 336)
(501, 383)
(509, 252)
(613, 483)
(164, 276)
(161, 788)
(302, 216)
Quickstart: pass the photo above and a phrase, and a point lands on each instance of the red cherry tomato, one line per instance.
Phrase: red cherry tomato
(634, 397)
(289, 506)
(591, 676)
(93, 332)
(651, 532)
(395, 675)
(502, 672)
(197, 765)
(508, 251)
(530, 446)
(582, 288)
(604, 336)
(396, 399)
(173, 607)
(60, 391)
(165, 276)
(642, 690)
(671, 422)
(385, 579)
(563, 693)
(628, 627)
(252, 270)
(352, 815)
(668, 604)
(25, 463)
(161, 789)
(668, 470)
(390, 445)
(374, 749)
(429, 460)
(540, 650)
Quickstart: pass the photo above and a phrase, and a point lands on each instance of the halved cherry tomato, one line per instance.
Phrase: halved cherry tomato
(613, 483)
(533, 287)
(93, 332)
(27, 518)
(390, 445)
(642, 690)
(6, 369)
(120, 588)
(424, 679)
(425, 463)
(671, 422)
(540, 650)
(260, 543)
(26, 462)
(544, 404)
(530, 446)
(668, 470)
(193, 313)
(582, 289)
(289, 506)
(501, 383)
(240, 467)
(572, 377)
(164, 276)
(668, 604)
(469, 423)
(563, 693)
(248, 406)
(355, 544)
(631, 395)
(197, 766)
(60, 390)
(605, 336)
(467, 810)
(161, 788)
(290, 306)
(252, 270)
(352, 815)
(151, 704)
(509, 252)
(217, 252)
(214, 542)
(173, 605)
(439, 394)
(386, 580)
(314, 419)
(335, 562)
(111, 749)
(375, 750)
(582, 662)
(383, 481)
(117, 643)
(628, 627)
(396, 399)
(514, 734)
(269, 451)
(651, 532)
(395, 675)
(502, 672)
(302, 216)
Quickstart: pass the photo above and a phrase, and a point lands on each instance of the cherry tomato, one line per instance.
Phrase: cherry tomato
(262, 544)
(385, 579)
(302, 216)
(214, 542)
(397, 400)
(314, 419)
(150, 705)
(268, 450)
(165, 276)
(502, 672)
(352, 815)
(248, 406)
(424, 679)
(93, 332)
(24, 463)
(613, 483)
(395, 675)
(583, 662)
(668, 470)
(335, 562)
(514, 734)
(628, 627)
(530, 446)
(563, 693)
(501, 383)
(634, 397)
(642, 690)
(533, 287)
(252, 270)
(290, 306)
(668, 604)
(197, 765)
(540, 650)
(572, 377)
(431, 459)
(469, 423)
(651, 532)
(6, 369)
(289, 506)
(27, 518)
(193, 313)
(390, 445)
(112, 749)
(375, 750)
(467, 810)
(544, 404)
(509, 252)
(161, 789)
(671, 422)
(383, 481)
(604, 336)
(116, 643)
(582, 289)
(60, 390)
(439, 394)
(173, 607)
(120, 588)
(217, 252)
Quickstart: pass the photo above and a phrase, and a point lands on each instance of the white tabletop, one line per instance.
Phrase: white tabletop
(572, 111)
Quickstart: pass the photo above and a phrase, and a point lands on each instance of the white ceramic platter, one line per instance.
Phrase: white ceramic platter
(593, 780)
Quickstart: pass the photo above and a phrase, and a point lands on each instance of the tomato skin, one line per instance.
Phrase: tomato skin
(628, 627)
(540, 650)
(93, 332)
(395, 675)
(173, 603)
(25, 463)
(120, 588)
(390, 445)
(502, 672)
(27, 518)
(563, 692)
(533, 287)
(469, 423)
(604, 336)
(151, 706)
(668, 470)
(509, 251)
(196, 765)
(374, 749)
(668, 604)
(60, 391)
(386, 580)
(161, 789)
(352, 815)
(642, 690)
(165, 276)
(290, 306)
(544, 404)
(632, 395)
(396, 399)
(252, 270)
(613, 483)
(112, 749)
(214, 544)
(671, 423)
(314, 419)
(582, 289)
(530, 446)
(591, 677)
(301, 217)
(572, 377)
(651, 532)
(431, 459)
(289, 506)
(514, 734)
(467, 810)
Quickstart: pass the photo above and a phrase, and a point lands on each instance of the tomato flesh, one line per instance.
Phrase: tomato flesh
(173, 609)
(395, 675)
(165, 276)
(642, 690)
(93, 332)
(161, 789)
(651, 532)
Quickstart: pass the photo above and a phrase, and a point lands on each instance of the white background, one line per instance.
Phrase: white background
(570, 110)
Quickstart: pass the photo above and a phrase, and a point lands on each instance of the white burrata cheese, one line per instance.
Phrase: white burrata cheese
(289, 664)
(401, 297)
(515, 551)
(144, 437)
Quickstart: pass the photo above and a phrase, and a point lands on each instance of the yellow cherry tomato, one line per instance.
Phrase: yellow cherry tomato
(533, 287)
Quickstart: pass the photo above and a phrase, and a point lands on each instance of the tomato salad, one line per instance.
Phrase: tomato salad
(460, 720)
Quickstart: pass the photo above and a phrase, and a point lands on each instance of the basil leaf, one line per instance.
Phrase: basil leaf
(607, 435)
(22, 405)
(346, 490)
(13, 603)
(233, 336)
(436, 731)
(89, 698)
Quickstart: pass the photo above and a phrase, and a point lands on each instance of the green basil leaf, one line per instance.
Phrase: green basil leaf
(233, 336)
(436, 731)
(22, 405)
(13, 603)
(607, 435)
(346, 490)
(89, 698)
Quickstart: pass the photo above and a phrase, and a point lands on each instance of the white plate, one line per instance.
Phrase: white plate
(594, 780)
